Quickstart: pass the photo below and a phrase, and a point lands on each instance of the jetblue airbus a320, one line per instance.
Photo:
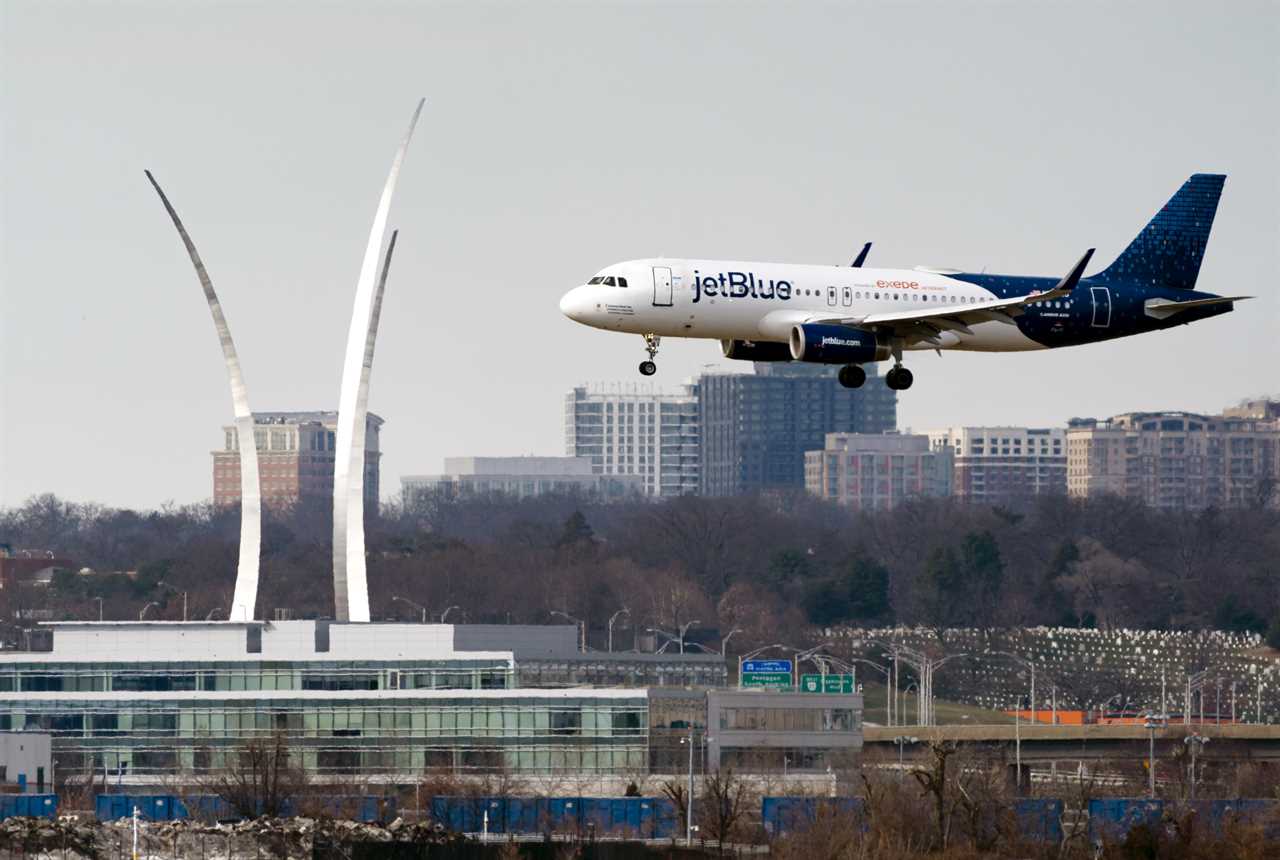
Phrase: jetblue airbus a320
(854, 315)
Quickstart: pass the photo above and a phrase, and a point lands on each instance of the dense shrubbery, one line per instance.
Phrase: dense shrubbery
(760, 564)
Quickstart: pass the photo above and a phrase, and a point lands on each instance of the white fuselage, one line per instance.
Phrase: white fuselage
(732, 300)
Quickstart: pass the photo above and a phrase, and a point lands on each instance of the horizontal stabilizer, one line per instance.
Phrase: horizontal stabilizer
(1165, 308)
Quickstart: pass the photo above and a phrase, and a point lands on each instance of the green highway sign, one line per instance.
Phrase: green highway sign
(826, 683)
(774, 680)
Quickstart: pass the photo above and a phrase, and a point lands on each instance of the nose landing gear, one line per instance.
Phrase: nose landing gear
(852, 376)
(651, 341)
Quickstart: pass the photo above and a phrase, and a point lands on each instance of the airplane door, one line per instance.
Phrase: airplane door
(1101, 306)
(846, 296)
(831, 296)
(661, 287)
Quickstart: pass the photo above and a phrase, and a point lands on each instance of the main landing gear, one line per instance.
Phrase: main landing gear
(898, 378)
(852, 376)
(648, 368)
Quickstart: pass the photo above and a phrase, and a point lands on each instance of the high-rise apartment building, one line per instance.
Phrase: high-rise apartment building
(869, 472)
(635, 429)
(1178, 460)
(1005, 465)
(757, 427)
(295, 458)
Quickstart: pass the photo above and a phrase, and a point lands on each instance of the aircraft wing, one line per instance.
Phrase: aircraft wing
(926, 322)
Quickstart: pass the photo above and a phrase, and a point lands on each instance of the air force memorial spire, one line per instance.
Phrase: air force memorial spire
(350, 583)
(246, 591)
(351, 590)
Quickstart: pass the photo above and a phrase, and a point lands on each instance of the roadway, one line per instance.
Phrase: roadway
(1055, 743)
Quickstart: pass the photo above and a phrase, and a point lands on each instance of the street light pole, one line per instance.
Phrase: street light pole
(445, 615)
(99, 599)
(724, 641)
(613, 618)
(688, 814)
(1017, 747)
(901, 741)
(1195, 742)
(184, 597)
(396, 597)
(145, 608)
(1151, 726)
(582, 628)
(683, 630)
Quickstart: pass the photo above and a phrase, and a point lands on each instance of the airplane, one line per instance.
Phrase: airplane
(855, 315)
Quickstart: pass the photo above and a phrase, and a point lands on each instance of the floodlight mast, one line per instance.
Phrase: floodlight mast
(350, 580)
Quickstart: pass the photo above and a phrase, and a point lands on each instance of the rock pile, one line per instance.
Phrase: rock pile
(71, 837)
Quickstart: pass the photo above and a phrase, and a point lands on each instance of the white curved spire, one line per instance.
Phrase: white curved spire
(350, 583)
(246, 591)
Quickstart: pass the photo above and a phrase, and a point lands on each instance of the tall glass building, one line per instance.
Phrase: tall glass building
(138, 701)
(757, 427)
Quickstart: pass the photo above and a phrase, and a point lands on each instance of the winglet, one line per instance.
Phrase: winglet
(862, 256)
(1068, 283)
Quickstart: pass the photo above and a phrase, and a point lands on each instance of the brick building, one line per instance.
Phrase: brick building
(868, 472)
(295, 459)
(1178, 460)
(1005, 465)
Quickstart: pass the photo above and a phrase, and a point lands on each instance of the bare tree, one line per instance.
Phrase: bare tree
(260, 778)
(677, 792)
(724, 804)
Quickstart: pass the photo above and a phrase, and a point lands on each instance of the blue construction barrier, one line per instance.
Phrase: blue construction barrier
(28, 805)
(783, 815)
(1112, 818)
(641, 817)
(365, 808)
(1217, 815)
(1039, 819)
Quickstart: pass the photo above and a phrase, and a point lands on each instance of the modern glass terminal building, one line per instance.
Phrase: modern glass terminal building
(138, 701)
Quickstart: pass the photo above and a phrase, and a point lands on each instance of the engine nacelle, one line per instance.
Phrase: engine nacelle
(755, 350)
(837, 344)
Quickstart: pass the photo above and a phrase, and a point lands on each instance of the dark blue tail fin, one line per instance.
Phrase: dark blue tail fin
(1169, 249)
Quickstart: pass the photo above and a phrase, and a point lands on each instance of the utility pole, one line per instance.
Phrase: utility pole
(1150, 726)
(1017, 746)
(1196, 743)
(688, 815)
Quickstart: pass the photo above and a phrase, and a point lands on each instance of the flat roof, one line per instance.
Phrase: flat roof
(250, 696)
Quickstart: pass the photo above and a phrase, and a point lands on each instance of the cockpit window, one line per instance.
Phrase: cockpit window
(608, 281)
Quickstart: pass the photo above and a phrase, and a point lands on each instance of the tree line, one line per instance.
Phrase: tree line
(758, 565)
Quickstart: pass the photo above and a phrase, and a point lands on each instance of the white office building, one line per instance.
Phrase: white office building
(636, 429)
(519, 477)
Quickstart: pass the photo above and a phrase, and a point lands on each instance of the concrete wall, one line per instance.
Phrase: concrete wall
(26, 754)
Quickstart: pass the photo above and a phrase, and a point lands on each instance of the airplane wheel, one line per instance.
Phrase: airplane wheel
(648, 368)
(899, 379)
(852, 376)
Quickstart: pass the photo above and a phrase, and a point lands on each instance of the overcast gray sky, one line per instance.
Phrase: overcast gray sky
(558, 139)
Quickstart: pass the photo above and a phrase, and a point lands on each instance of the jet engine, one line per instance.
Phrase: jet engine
(837, 344)
(755, 350)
